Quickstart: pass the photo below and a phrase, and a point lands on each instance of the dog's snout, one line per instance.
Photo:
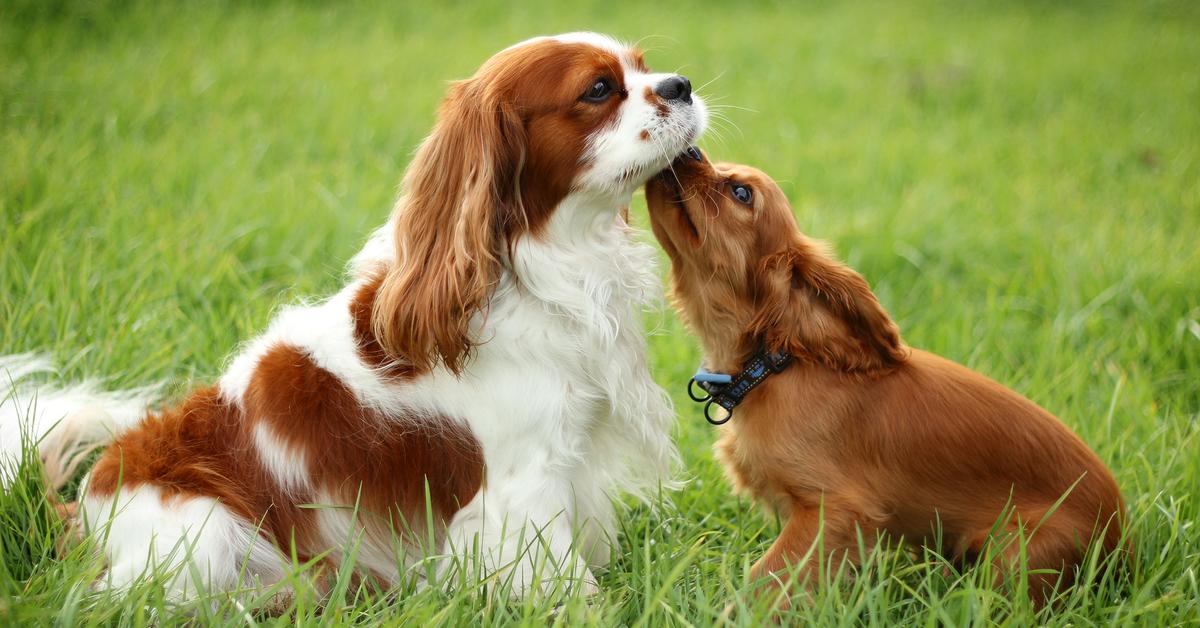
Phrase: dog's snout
(675, 88)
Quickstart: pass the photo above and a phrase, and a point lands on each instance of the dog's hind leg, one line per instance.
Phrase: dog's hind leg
(193, 545)
(1047, 555)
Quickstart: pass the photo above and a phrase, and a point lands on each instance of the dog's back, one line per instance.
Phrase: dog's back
(965, 449)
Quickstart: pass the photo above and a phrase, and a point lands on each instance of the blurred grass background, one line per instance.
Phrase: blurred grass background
(1019, 181)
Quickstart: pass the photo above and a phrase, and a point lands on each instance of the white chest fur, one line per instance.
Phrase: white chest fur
(561, 396)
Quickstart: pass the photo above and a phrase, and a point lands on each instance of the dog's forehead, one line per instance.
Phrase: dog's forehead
(604, 42)
(742, 172)
(629, 56)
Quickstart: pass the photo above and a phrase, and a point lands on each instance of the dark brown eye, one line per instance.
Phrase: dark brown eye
(598, 92)
(741, 193)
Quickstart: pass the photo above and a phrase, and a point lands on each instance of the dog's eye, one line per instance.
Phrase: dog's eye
(741, 193)
(598, 92)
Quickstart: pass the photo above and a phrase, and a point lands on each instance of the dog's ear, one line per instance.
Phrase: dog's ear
(459, 199)
(814, 306)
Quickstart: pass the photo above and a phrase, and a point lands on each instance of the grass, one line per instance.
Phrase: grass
(1020, 182)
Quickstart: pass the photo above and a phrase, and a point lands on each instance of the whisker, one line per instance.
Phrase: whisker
(723, 120)
(718, 107)
(720, 125)
(639, 43)
(670, 158)
(710, 81)
(716, 135)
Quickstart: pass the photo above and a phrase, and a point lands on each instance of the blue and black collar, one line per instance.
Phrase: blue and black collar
(727, 390)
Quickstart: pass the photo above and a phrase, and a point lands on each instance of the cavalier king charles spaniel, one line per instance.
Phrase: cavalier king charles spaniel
(831, 421)
(480, 381)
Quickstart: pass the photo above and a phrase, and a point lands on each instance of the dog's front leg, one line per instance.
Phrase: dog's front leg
(811, 536)
(791, 558)
(518, 532)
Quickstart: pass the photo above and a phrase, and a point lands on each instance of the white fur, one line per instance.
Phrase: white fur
(377, 542)
(66, 424)
(558, 393)
(599, 40)
(288, 465)
(197, 544)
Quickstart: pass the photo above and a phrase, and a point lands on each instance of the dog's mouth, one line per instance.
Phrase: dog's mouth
(675, 198)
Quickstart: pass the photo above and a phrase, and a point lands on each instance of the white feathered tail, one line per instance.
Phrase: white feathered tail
(65, 423)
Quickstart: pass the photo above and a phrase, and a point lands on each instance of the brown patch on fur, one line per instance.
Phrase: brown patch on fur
(351, 448)
(65, 511)
(663, 109)
(871, 434)
(644, 135)
(203, 447)
(369, 350)
(206, 447)
(637, 59)
(507, 146)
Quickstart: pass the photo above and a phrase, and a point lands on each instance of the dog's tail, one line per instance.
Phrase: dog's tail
(64, 423)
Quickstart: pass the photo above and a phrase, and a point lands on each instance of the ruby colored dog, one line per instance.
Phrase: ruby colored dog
(855, 426)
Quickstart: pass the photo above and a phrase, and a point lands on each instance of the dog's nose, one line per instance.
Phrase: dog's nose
(684, 160)
(675, 88)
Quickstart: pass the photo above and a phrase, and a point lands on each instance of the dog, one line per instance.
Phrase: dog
(480, 379)
(837, 425)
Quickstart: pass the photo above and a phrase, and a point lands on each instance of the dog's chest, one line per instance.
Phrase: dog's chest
(772, 465)
(561, 341)
(551, 353)
(749, 475)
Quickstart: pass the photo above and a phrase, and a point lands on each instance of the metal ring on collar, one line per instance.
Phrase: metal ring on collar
(708, 417)
(692, 394)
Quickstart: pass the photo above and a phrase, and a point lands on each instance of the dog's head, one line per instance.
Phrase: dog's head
(743, 274)
(541, 121)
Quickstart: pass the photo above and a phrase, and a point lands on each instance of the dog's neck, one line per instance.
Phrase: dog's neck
(717, 318)
(579, 214)
(586, 264)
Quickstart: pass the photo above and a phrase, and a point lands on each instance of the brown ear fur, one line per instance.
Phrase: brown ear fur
(459, 199)
(816, 307)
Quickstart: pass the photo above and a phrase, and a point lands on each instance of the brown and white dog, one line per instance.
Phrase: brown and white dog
(858, 427)
(486, 348)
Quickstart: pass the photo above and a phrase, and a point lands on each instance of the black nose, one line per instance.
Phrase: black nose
(675, 88)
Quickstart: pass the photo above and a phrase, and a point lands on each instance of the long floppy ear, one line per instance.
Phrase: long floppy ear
(814, 306)
(458, 200)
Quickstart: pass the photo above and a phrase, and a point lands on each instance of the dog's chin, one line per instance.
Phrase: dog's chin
(635, 176)
(671, 192)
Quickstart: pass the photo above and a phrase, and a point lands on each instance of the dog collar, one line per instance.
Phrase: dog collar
(728, 390)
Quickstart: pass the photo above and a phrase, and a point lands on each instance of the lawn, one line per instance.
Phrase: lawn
(1019, 182)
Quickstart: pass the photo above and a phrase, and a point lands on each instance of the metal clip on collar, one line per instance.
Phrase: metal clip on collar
(712, 384)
